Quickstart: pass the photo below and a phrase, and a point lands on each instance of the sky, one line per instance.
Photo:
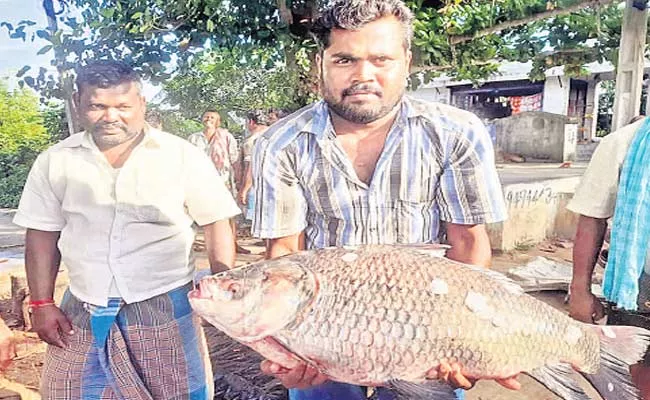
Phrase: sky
(15, 53)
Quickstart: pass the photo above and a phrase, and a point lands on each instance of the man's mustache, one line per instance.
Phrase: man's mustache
(103, 125)
(362, 88)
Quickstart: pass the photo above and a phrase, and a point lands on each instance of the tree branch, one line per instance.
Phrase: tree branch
(285, 13)
(424, 68)
(523, 21)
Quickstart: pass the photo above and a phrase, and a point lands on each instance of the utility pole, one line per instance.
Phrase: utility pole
(629, 73)
(65, 77)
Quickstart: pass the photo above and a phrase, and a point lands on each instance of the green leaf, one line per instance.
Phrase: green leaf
(45, 49)
(108, 12)
(137, 15)
(210, 25)
(43, 34)
(23, 70)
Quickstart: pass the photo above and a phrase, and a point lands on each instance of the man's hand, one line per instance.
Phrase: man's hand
(51, 325)
(451, 374)
(585, 307)
(242, 196)
(301, 377)
(7, 346)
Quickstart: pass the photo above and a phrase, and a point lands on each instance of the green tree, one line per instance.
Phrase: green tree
(605, 108)
(463, 38)
(234, 81)
(21, 124)
(173, 121)
(22, 137)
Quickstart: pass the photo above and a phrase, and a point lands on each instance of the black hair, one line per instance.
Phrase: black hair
(354, 14)
(105, 74)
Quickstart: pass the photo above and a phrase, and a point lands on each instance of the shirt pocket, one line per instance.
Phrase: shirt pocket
(414, 211)
(418, 188)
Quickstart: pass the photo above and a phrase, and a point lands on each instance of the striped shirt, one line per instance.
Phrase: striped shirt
(437, 165)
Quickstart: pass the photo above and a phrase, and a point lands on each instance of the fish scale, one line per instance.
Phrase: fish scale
(449, 324)
(379, 314)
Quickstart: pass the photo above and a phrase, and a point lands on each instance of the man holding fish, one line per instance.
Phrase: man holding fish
(369, 165)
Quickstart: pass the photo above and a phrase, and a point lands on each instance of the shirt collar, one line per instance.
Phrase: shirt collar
(320, 123)
(84, 139)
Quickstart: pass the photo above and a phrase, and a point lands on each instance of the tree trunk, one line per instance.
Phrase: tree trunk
(65, 77)
(20, 301)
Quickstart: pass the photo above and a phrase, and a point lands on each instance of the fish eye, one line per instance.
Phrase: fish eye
(234, 288)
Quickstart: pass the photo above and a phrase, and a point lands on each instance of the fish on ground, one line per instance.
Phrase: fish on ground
(381, 315)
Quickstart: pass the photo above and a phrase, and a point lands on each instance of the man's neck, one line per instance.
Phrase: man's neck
(380, 126)
(258, 129)
(209, 132)
(118, 154)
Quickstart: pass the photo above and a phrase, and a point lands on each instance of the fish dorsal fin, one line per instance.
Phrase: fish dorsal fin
(511, 286)
(429, 249)
(422, 391)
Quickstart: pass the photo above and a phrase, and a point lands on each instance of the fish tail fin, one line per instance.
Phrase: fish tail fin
(559, 380)
(620, 347)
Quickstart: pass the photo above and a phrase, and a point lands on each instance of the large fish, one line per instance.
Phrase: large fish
(389, 315)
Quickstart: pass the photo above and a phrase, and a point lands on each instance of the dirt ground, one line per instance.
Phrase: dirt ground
(24, 375)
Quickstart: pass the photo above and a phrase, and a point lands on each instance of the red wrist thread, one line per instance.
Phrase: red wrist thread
(41, 303)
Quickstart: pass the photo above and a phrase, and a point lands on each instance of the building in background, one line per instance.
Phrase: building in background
(511, 92)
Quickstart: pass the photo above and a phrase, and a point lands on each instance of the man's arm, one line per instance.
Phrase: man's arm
(583, 305)
(285, 245)
(247, 182)
(220, 245)
(42, 259)
(470, 244)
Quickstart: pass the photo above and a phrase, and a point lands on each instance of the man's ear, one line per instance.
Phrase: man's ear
(76, 98)
(319, 64)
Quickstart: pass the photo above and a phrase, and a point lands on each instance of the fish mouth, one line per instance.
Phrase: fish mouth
(218, 292)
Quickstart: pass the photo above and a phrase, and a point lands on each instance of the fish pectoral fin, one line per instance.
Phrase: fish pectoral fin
(421, 391)
(559, 380)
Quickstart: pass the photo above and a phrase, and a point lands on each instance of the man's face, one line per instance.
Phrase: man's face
(250, 125)
(364, 71)
(112, 115)
(211, 120)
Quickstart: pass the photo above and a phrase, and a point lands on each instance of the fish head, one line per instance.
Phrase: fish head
(256, 300)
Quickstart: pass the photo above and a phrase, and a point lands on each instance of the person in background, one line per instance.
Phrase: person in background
(116, 204)
(615, 185)
(221, 146)
(257, 122)
(369, 165)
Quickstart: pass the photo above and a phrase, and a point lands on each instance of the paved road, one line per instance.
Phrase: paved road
(528, 173)
(10, 234)
(12, 238)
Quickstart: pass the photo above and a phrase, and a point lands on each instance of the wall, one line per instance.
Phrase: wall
(570, 142)
(441, 95)
(556, 95)
(591, 111)
(535, 135)
(536, 211)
